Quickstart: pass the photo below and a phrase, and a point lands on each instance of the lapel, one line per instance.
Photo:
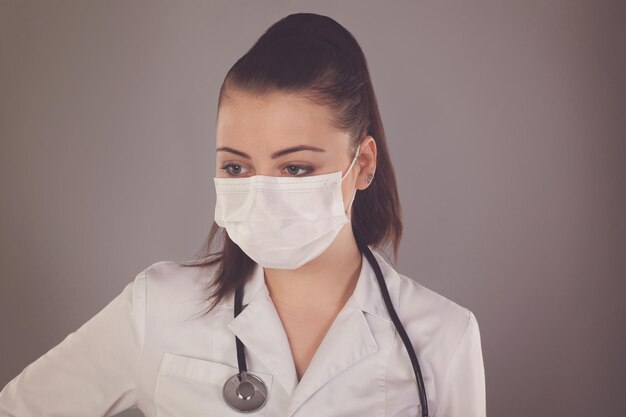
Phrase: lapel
(348, 340)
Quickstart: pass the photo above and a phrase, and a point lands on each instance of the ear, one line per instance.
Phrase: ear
(367, 162)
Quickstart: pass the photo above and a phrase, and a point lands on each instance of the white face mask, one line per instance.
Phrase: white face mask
(282, 222)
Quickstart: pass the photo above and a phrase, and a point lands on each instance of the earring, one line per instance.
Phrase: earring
(369, 178)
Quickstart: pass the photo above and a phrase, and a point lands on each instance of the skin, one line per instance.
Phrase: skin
(307, 299)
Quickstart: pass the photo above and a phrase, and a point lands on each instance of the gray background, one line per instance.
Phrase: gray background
(505, 123)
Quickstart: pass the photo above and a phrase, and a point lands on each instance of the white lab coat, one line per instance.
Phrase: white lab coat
(146, 349)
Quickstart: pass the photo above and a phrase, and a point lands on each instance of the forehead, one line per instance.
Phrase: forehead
(274, 119)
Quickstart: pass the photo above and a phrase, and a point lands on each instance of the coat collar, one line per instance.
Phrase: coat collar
(349, 339)
(366, 292)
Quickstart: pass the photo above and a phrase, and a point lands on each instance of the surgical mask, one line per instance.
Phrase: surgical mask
(282, 222)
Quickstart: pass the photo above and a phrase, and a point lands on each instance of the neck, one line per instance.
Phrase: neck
(322, 285)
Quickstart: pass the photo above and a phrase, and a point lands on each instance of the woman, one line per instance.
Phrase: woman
(303, 181)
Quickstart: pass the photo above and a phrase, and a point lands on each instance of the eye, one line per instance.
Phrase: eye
(308, 170)
(233, 173)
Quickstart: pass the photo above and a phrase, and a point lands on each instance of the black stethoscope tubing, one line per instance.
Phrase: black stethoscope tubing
(396, 321)
(243, 374)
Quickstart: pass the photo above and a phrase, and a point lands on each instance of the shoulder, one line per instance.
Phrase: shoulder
(434, 312)
(437, 326)
(169, 290)
(172, 279)
(445, 336)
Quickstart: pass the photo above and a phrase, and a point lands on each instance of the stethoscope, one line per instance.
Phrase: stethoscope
(245, 392)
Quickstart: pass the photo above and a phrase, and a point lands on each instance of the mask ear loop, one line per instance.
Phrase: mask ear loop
(358, 151)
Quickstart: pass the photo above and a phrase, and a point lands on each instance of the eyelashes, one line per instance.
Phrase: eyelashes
(226, 168)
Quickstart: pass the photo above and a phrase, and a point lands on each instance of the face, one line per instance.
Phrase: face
(281, 134)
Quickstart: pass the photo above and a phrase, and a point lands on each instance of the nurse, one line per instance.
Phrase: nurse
(303, 178)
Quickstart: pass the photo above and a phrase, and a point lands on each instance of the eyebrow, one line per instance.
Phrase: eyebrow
(276, 154)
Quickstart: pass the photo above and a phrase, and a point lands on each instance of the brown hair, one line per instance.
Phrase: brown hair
(313, 55)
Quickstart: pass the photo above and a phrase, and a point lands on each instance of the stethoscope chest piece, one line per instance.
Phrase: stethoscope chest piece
(244, 392)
